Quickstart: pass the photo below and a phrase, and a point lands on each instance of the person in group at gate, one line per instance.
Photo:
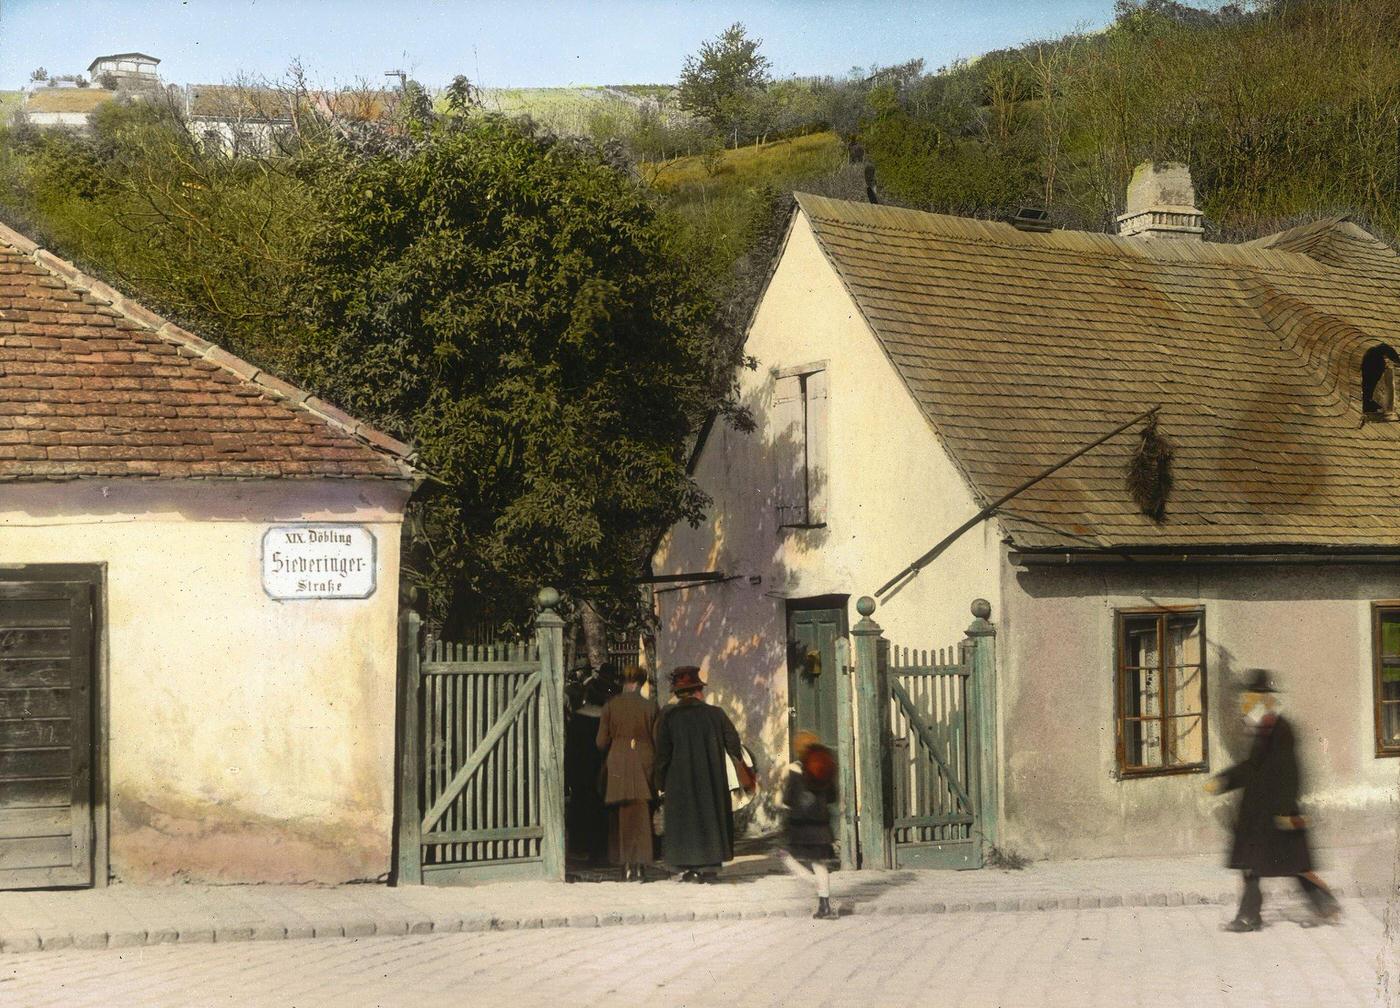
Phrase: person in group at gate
(626, 734)
(809, 790)
(585, 818)
(693, 741)
(1270, 836)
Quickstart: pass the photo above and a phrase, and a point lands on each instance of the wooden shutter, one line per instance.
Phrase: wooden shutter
(816, 439)
(789, 450)
(46, 826)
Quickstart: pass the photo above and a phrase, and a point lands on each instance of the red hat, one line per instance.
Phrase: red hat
(685, 677)
(819, 765)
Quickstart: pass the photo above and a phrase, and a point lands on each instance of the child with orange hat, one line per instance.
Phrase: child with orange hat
(809, 789)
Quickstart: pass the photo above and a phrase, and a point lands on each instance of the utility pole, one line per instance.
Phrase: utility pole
(401, 75)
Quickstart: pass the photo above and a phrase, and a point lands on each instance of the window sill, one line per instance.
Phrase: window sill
(1387, 753)
(1175, 771)
(802, 525)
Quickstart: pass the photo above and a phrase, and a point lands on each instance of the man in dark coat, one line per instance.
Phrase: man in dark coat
(693, 741)
(1270, 838)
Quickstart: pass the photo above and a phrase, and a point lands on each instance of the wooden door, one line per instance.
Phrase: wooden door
(46, 743)
(813, 629)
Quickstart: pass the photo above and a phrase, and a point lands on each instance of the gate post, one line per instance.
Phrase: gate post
(549, 633)
(981, 642)
(409, 841)
(846, 751)
(871, 701)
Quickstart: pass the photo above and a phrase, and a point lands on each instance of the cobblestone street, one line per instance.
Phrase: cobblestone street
(1119, 957)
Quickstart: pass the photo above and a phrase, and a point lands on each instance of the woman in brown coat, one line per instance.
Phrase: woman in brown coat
(625, 733)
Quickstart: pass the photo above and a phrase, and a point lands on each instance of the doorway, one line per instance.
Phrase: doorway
(813, 628)
(48, 647)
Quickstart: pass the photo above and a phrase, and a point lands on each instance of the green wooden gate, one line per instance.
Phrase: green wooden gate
(481, 757)
(931, 761)
(926, 762)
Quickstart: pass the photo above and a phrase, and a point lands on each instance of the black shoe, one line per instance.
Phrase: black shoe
(824, 911)
(707, 878)
(689, 876)
(1239, 924)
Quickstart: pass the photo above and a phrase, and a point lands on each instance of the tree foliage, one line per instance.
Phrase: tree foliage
(520, 307)
(722, 81)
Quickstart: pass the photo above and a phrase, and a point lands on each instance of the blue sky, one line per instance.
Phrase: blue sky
(526, 43)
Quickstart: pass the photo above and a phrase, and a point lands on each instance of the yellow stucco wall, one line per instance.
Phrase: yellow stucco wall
(892, 493)
(245, 738)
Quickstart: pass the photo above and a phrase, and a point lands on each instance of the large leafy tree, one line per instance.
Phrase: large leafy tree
(518, 305)
(721, 82)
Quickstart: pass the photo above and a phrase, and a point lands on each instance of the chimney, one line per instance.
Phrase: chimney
(1161, 203)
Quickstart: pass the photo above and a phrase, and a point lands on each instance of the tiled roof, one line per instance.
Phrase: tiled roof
(92, 385)
(1020, 347)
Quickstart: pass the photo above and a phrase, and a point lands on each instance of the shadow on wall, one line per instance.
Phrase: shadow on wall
(736, 629)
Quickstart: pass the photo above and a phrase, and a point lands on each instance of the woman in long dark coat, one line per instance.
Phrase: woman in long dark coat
(1270, 836)
(585, 818)
(626, 733)
(693, 742)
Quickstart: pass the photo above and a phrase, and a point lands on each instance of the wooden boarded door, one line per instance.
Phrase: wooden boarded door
(813, 630)
(933, 759)
(46, 736)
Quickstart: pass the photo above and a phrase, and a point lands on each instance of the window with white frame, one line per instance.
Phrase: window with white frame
(800, 397)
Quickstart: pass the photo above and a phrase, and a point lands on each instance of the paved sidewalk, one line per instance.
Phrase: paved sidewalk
(123, 916)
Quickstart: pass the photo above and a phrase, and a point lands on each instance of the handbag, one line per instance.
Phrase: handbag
(742, 781)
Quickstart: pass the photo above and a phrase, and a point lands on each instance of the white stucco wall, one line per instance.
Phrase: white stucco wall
(57, 118)
(245, 738)
(891, 493)
(1312, 624)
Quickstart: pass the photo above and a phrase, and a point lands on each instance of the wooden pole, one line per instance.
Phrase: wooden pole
(871, 701)
(884, 592)
(410, 837)
(549, 631)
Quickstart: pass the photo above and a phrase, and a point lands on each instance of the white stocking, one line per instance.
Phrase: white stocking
(823, 879)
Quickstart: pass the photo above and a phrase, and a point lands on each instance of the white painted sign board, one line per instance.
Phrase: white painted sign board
(318, 562)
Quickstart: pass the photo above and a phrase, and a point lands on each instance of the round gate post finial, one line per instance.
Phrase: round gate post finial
(547, 598)
(981, 609)
(865, 605)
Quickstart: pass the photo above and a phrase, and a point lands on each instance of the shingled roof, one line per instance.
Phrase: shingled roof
(1020, 347)
(93, 385)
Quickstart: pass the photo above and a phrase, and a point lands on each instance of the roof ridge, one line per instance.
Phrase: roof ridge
(982, 231)
(269, 384)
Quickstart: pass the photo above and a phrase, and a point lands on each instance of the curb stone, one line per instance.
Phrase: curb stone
(50, 939)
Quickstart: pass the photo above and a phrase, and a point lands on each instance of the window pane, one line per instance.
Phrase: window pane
(1184, 639)
(1390, 633)
(1141, 689)
(1184, 689)
(1390, 715)
(1187, 740)
(1142, 743)
(1390, 670)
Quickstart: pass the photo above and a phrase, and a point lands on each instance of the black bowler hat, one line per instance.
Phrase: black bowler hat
(685, 677)
(1259, 680)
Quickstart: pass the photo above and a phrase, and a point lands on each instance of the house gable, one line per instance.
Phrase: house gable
(891, 490)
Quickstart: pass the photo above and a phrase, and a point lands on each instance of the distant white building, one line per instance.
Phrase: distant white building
(127, 68)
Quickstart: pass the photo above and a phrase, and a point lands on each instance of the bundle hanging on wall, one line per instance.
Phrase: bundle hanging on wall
(1149, 472)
